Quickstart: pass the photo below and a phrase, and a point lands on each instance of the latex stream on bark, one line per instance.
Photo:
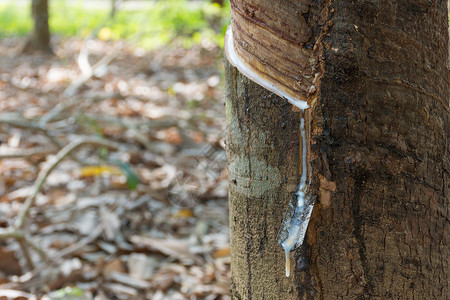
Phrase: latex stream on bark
(298, 213)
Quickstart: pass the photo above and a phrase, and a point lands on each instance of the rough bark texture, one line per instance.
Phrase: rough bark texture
(263, 151)
(380, 130)
(39, 40)
(386, 132)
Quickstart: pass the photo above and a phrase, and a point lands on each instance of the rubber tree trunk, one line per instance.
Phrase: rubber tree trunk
(380, 161)
(39, 40)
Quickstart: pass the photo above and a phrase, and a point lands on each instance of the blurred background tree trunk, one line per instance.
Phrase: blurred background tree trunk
(379, 131)
(220, 2)
(39, 40)
(114, 7)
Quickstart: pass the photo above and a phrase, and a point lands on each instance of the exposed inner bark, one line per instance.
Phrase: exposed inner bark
(273, 38)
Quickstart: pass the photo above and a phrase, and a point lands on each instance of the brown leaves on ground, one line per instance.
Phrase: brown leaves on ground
(148, 221)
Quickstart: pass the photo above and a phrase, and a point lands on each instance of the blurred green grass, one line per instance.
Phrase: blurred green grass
(162, 22)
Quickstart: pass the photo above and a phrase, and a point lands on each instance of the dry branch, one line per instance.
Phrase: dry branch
(17, 120)
(27, 153)
(49, 168)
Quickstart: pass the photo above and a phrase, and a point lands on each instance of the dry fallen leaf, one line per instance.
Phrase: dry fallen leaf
(222, 252)
(116, 265)
(184, 213)
(9, 264)
(90, 171)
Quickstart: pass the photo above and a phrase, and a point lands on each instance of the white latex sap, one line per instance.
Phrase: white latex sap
(296, 227)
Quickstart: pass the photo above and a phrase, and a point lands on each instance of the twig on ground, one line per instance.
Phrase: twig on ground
(11, 233)
(27, 153)
(36, 248)
(26, 253)
(17, 120)
(81, 243)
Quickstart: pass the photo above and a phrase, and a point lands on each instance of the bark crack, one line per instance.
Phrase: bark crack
(357, 231)
(248, 247)
(319, 279)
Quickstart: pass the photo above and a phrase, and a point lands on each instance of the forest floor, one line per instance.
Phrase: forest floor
(112, 173)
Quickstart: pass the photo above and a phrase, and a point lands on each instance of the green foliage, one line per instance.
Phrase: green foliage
(68, 293)
(132, 178)
(188, 22)
(15, 19)
(71, 19)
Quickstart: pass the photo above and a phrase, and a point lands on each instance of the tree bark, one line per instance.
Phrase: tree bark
(379, 131)
(39, 40)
